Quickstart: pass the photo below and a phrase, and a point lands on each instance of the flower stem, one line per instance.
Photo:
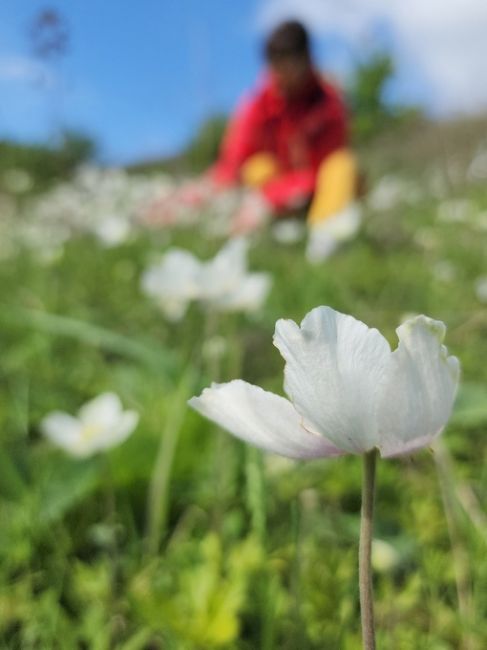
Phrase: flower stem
(159, 488)
(365, 551)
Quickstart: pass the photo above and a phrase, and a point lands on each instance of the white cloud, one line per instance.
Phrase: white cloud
(443, 42)
(16, 68)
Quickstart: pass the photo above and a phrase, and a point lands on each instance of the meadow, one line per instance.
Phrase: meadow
(184, 538)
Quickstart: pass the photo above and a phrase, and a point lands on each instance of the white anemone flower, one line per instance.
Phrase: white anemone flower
(222, 283)
(173, 282)
(288, 231)
(348, 392)
(112, 230)
(455, 210)
(391, 191)
(100, 424)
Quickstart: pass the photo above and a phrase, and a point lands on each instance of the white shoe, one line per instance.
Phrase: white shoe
(326, 236)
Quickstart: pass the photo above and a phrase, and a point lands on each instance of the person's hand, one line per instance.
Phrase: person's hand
(161, 212)
(195, 193)
(252, 214)
(173, 207)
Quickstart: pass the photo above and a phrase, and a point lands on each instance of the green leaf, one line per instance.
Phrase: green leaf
(63, 484)
(163, 361)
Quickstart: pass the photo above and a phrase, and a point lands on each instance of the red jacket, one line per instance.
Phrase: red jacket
(300, 133)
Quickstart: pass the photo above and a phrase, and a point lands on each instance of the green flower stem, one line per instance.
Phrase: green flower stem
(159, 488)
(365, 551)
(112, 549)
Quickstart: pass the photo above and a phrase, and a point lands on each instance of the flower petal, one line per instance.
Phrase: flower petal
(335, 366)
(120, 431)
(173, 282)
(62, 429)
(173, 308)
(420, 388)
(102, 411)
(261, 418)
(222, 274)
(249, 295)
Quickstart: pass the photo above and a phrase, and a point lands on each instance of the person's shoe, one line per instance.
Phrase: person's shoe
(327, 235)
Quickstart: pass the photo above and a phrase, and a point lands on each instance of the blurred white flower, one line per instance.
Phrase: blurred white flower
(385, 557)
(455, 210)
(103, 202)
(173, 282)
(391, 191)
(100, 424)
(222, 283)
(45, 239)
(481, 288)
(288, 231)
(386, 194)
(112, 230)
(348, 392)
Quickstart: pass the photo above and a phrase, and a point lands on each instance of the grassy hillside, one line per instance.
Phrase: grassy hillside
(183, 537)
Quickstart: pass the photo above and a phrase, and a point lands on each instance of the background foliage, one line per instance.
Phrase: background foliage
(228, 548)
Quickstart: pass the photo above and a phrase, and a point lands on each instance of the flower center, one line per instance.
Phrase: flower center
(90, 431)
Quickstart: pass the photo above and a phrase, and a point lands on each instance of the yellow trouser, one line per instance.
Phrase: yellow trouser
(336, 182)
(336, 186)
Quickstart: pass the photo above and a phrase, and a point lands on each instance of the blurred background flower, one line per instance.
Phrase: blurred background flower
(100, 424)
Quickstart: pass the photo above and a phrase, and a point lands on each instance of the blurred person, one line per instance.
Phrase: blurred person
(287, 143)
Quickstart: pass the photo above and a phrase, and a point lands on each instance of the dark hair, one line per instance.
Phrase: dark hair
(288, 40)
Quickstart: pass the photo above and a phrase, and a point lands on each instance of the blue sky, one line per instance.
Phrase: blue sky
(140, 76)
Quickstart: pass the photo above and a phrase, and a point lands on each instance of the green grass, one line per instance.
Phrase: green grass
(250, 551)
